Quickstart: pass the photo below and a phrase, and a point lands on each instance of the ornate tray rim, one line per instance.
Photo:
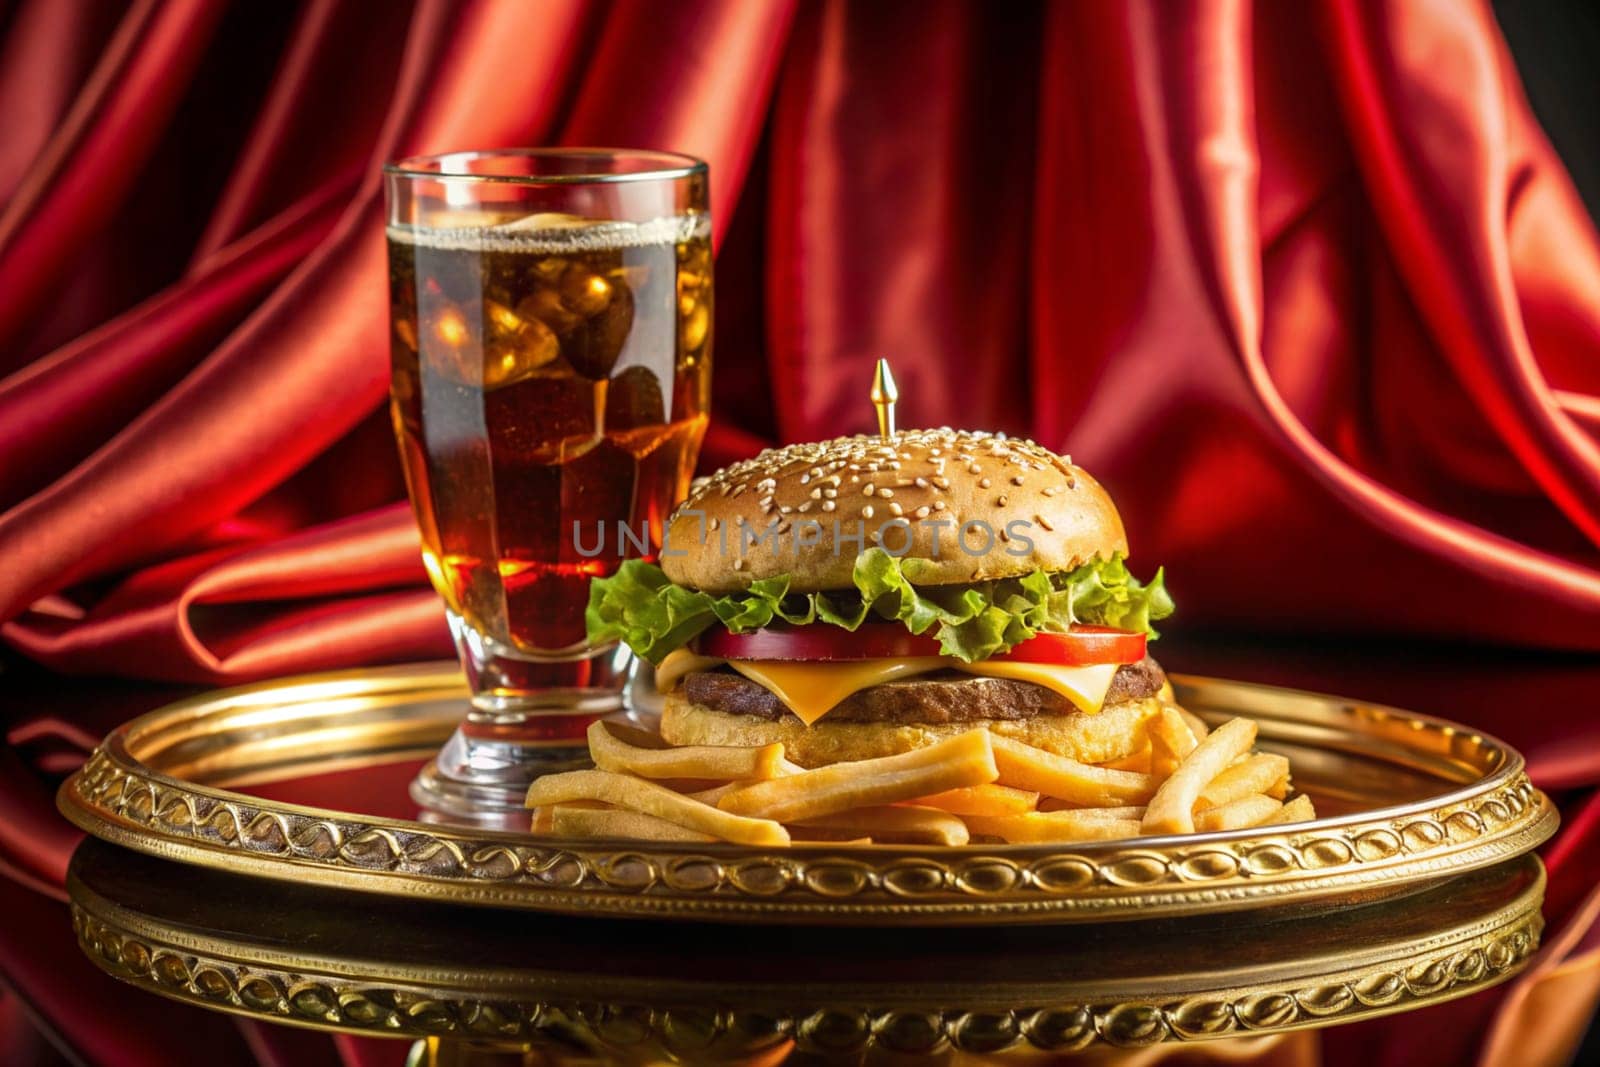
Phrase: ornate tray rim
(1462, 955)
(118, 798)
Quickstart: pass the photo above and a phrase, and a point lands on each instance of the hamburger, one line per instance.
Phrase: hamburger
(871, 595)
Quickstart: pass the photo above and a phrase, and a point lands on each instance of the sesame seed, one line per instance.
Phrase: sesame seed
(974, 469)
(921, 512)
(1051, 490)
(804, 478)
(1042, 521)
(830, 493)
(938, 505)
(829, 505)
(921, 483)
(866, 512)
(942, 483)
(1016, 479)
(896, 510)
(984, 483)
(816, 494)
(806, 506)
(886, 492)
(738, 564)
(715, 522)
(1003, 535)
(868, 489)
(1000, 503)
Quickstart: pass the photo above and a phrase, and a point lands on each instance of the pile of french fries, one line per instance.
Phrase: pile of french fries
(976, 786)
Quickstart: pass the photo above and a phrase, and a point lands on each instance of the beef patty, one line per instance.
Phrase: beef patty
(940, 697)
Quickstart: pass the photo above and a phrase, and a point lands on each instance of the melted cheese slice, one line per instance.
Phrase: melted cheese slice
(1084, 686)
(812, 689)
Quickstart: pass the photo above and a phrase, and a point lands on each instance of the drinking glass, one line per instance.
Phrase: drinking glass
(550, 315)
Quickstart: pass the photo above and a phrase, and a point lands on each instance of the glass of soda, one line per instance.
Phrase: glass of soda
(550, 314)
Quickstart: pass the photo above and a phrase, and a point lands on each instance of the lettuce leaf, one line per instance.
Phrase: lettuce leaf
(652, 616)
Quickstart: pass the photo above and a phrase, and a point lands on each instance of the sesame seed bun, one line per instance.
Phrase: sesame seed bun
(1028, 509)
(1115, 731)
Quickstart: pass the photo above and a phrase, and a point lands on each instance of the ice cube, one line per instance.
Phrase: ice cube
(512, 357)
(546, 220)
(544, 304)
(634, 399)
(450, 343)
(585, 293)
(694, 326)
(545, 417)
(406, 333)
(593, 346)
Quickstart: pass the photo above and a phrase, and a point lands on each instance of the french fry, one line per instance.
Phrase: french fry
(833, 838)
(966, 759)
(1170, 741)
(544, 817)
(637, 794)
(1137, 761)
(570, 820)
(688, 786)
(1171, 809)
(889, 824)
(1237, 814)
(1197, 725)
(715, 762)
(1127, 811)
(715, 793)
(1260, 773)
(1299, 809)
(989, 799)
(637, 736)
(1051, 826)
(1025, 767)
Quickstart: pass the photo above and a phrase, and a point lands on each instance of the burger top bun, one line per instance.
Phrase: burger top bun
(997, 494)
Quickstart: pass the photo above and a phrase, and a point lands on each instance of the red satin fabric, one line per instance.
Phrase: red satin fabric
(1305, 286)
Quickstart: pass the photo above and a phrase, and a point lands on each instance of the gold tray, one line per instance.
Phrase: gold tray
(606, 991)
(1407, 800)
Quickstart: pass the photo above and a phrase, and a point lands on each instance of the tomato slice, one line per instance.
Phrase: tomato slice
(1082, 646)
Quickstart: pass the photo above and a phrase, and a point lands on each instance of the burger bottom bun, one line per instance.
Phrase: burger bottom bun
(1115, 731)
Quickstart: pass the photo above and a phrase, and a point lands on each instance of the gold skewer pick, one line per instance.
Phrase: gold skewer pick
(884, 394)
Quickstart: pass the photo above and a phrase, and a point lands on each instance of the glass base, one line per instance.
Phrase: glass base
(510, 684)
(528, 717)
(482, 781)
